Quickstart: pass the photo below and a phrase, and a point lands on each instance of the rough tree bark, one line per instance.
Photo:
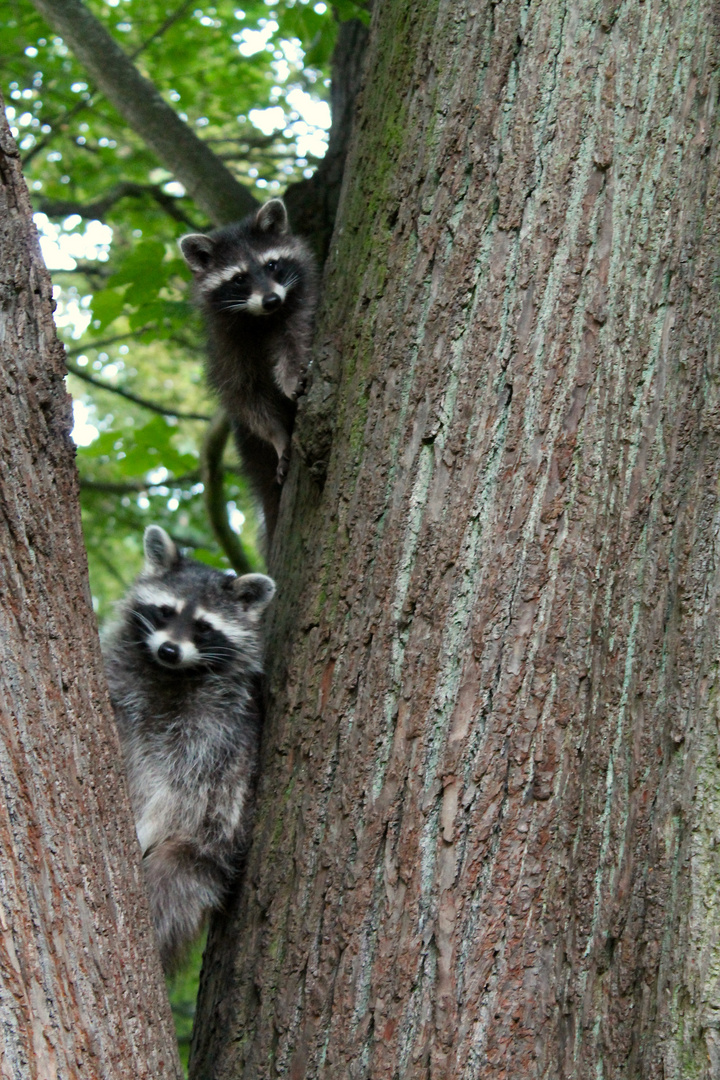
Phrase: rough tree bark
(487, 835)
(81, 991)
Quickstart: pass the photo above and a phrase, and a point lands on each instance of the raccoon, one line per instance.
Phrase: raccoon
(256, 284)
(183, 662)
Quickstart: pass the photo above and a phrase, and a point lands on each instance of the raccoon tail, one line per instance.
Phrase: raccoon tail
(183, 888)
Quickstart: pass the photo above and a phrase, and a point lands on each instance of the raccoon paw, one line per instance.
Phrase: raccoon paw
(283, 466)
(300, 387)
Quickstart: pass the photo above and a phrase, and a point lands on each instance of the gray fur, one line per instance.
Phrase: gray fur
(257, 354)
(189, 728)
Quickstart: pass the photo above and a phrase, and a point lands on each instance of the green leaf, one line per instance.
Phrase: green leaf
(107, 305)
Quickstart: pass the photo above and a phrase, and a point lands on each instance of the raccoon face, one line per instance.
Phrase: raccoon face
(249, 268)
(177, 633)
(255, 285)
(187, 617)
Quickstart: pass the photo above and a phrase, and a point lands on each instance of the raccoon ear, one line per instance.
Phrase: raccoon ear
(160, 551)
(197, 251)
(255, 591)
(272, 217)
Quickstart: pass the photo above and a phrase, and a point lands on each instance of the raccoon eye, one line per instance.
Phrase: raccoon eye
(271, 266)
(166, 611)
(202, 627)
(239, 278)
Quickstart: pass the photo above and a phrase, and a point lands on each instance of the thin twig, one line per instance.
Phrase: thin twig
(134, 487)
(97, 210)
(102, 343)
(40, 146)
(153, 406)
(94, 271)
(177, 14)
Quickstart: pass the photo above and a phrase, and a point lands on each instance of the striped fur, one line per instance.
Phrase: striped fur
(183, 660)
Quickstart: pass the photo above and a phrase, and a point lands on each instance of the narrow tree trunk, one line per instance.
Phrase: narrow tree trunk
(488, 817)
(81, 993)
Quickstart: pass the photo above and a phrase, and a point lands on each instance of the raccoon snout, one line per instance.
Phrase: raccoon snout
(169, 653)
(271, 301)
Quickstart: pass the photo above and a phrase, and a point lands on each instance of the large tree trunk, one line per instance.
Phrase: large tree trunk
(81, 992)
(488, 816)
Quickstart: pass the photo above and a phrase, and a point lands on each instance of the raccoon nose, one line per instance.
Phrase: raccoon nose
(271, 301)
(169, 653)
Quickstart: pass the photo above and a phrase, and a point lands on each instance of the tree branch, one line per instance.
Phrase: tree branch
(123, 190)
(102, 343)
(206, 179)
(133, 487)
(314, 202)
(259, 142)
(162, 28)
(212, 476)
(87, 103)
(153, 406)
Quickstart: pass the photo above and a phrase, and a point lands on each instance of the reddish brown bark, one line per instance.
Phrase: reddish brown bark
(81, 994)
(489, 809)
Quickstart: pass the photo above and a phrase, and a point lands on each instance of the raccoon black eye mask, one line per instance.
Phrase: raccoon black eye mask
(256, 285)
(183, 661)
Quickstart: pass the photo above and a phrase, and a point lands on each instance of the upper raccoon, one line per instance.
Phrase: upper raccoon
(256, 284)
(183, 661)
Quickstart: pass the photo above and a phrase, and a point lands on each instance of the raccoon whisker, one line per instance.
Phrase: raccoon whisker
(227, 654)
(144, 622)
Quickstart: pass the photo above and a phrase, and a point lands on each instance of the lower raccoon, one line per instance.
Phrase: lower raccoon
(255, 283)
(183, 662)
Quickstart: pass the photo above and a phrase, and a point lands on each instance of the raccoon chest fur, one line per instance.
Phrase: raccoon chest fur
(241, 370)
(189, 778)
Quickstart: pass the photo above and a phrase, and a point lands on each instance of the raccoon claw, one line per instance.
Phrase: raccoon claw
(282, 469)
(300, 387)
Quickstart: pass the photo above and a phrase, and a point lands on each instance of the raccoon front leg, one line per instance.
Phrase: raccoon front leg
(290, 368)
(183, 888)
